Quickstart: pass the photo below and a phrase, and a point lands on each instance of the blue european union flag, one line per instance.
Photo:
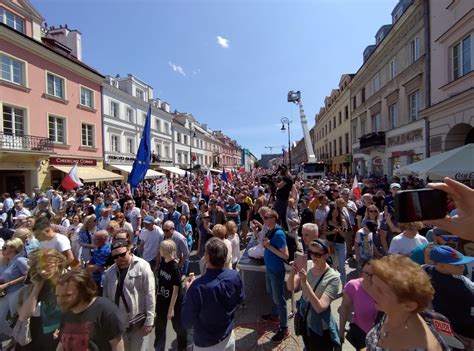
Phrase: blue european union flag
(142, 161)
(224, 175)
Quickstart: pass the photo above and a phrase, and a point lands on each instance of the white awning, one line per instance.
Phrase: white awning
(215, 170)
(149, 174)
(91, 174)
(174, 170)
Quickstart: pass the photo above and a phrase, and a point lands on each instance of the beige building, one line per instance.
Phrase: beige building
(451, 115)
(388, 93)
(332, 133)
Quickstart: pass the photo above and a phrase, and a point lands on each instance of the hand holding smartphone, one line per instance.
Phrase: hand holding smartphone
(301, 261)
(420, 204)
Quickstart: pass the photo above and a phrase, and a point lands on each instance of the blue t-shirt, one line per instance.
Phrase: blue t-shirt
(235, 208)
(272, 261)
(188, 230)
(99, 258)
(17, 268)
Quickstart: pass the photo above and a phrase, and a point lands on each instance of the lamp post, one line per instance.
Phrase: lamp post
(191, 136)
(286, 121)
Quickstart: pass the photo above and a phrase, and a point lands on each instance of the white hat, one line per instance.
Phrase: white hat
(395, 185)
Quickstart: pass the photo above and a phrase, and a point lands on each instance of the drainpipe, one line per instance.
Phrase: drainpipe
(102, 122)
(427, 64)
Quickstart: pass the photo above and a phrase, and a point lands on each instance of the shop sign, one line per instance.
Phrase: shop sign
(70, 161)
(403, 153)
(377, 161)
(120, 158)
(464, 176)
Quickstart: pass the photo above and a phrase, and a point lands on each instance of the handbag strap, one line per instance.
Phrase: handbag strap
(314, 290)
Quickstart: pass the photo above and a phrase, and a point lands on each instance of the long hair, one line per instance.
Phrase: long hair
(39, 257)
(332, 208)
(83, 280)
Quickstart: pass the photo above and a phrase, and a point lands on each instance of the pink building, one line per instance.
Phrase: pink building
(50, 102)
(451, 114)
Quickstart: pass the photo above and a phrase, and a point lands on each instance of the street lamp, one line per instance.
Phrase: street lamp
(286, 121)
(191, 136)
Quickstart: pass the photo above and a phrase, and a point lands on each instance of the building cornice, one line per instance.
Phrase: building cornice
(39, 49)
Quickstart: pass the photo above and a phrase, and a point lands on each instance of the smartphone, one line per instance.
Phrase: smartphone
(420, 205)
(301, 260)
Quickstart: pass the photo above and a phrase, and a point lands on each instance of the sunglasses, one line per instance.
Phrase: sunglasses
(314, 254)
(372, 211)
(450, 238)
(268, 217)
(115, 257)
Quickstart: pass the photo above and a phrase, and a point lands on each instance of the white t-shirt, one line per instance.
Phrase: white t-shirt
(321, 214)
(402, 245)
(60, 243)
(235, 242)
(228, 261)
(132, 216)
(151, 242)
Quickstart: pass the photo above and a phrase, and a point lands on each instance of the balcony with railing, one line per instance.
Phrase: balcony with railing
(372, 140)
(31, 143)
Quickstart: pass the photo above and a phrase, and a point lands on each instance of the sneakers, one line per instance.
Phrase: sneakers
(280, 335)
(270, 318)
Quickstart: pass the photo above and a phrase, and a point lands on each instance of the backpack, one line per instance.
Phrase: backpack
(290, 243)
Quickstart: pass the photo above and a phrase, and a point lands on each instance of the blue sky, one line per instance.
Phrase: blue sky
(238, 82)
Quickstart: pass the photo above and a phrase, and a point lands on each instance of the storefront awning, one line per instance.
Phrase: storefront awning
(91, 174)
(149, 174)
(174, 170)
(215, 170)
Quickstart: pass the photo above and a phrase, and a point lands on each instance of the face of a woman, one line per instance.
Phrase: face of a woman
(47, 268)
(372, 213)
(76, 219)
(9, 251)
(317, 255)
(384, 298)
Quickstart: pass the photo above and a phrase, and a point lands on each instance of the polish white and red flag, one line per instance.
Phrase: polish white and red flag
(355, 189)
(208, 184)
(71, 180)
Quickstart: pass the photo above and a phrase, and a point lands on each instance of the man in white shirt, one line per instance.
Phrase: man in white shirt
(133, 215)
(51, 240)
(406, 241)
(151, 237)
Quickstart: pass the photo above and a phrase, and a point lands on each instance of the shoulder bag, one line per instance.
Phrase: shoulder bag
(300, 321)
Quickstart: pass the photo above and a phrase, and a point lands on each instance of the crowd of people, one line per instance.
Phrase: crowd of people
(100, 268)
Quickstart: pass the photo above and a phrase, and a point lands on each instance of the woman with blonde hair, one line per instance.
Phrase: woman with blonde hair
(402, 290)
(169, 297)
(220, 231)
(14, 269)
(234, 239)
(37, 301)
(372, 213)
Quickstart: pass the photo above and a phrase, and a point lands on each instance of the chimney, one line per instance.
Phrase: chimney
(67, 37)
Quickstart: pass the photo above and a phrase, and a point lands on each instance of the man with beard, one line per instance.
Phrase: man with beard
(88, 322)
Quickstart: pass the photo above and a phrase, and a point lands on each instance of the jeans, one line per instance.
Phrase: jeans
(160, 327)
(275, 287)
(340, 256)
(185, 268)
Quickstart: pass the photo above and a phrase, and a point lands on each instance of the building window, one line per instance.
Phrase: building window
(13, 120)
(130, 148)
(144, 118)
(167, 151)
(140, 94)
(57, 132)
(185, 139)
(12, 70)
(414, 105)
(346, 112)
(87, 97)
(330, 150)
(362, 95)
(330, 125)
(393, 69)
(375, 83)
(87, 135)
(340, 117)
(129, 115)
(414, 50)
(12, 20)
(354, 133)
(114, 109)
(334, 143)
(376, 123)
(180, 157)
(462, 57)
(354, 102)
(362, 126)
(334, 122)
(393, 115)
(158, 125)
(158, 150)
(185, 158)
(56, 86)
(114, 143)
(347, 142)
(178, 137)
(167, 128)
(340, 145)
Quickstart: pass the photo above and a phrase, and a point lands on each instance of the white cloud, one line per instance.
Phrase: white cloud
(196, 72)
(177, 68)
(223, 42)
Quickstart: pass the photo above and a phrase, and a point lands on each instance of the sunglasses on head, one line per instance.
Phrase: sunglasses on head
(119, 255)
(450, 238)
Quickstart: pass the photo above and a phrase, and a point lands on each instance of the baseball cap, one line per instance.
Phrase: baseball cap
(395, 185)
(443, 326)
(446, 254)
(149, 219)
(71, 199)
(439, 231)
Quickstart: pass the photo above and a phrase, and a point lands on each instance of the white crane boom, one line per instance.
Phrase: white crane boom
(295, 97)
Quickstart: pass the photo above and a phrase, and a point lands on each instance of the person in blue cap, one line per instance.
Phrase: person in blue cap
(454, 293)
